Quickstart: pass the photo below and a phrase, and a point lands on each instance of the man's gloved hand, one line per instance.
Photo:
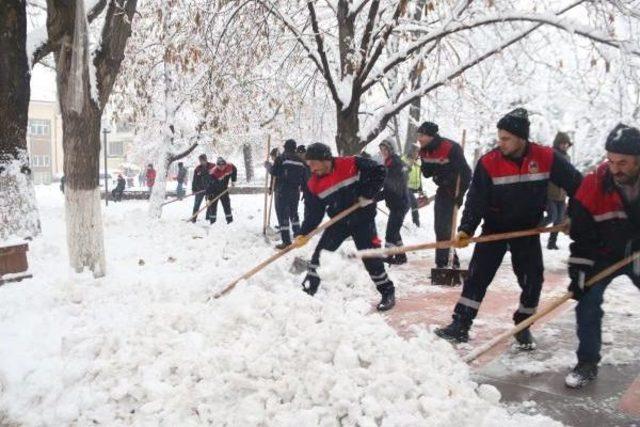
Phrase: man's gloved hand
(578, 275)
(461, 240)
(300, 241)
(311, 283)
(364, 201)
(233, 184)
(210, 196)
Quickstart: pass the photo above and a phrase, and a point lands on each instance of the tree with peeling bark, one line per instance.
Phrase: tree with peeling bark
(346, 41)
(18, 212)
(205, 71)
(85, 78)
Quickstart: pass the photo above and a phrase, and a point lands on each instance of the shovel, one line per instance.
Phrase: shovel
(451, 275)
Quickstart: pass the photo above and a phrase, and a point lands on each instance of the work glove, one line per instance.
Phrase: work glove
(311, 283)
(300, 241)
(578, 275)
(461, 240)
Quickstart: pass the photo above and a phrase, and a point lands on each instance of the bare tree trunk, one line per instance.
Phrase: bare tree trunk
(81, 121)
(347, 140)
(247, 155)
(18, 212)
(81, 142)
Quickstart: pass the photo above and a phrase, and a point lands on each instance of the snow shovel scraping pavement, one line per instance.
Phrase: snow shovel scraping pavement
(291, 247)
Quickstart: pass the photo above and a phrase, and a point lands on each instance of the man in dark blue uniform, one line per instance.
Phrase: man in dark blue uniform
(396, 197)
(444, 161)
(508, 192)
(336, 184)
(290, 175)
(605, 228)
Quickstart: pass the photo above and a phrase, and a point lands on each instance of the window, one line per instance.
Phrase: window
(40, 161)
(39, 127)
(116, 148)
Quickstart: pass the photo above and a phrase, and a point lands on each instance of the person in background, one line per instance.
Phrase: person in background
(396, 197)
(116, 194)
(291, 176)
(556, 203)
(414, 184)
(220, 176)
(443, 160)
(181, 179)
(62, 181)
(200, 182)
(150, 176)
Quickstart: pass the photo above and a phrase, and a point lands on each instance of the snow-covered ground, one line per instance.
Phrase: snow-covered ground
(144, 345)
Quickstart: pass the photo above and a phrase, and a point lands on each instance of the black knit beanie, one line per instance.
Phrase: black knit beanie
(516, 122)
(318, 151)
(290, 145)
(624, 139)
(428, 128)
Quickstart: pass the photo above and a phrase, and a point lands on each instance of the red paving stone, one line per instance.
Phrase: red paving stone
(630, 401)
(434, 306)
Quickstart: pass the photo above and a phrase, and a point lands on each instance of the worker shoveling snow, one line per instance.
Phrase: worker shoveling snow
(143, 347)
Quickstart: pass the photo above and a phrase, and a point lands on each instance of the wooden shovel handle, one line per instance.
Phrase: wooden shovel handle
(548, 309)
(289, 248)
(373, 253)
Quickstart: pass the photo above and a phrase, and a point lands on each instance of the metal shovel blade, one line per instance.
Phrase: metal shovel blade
(299, 265)
(448, 276)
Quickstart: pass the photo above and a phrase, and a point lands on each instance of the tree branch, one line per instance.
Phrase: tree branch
(323, 55)
(110, 53)
(368, 66)
(407, 99)
(53, 41)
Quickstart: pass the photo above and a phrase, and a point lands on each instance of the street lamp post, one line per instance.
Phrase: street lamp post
(105, 131)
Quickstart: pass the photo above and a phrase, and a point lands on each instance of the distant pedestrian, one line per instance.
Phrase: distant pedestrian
(150, 176)
(116, 194)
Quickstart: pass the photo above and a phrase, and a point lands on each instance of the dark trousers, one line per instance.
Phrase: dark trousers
(589, 313)
(287, 213)
(364, 236)
(116, 195)
(413, 203)
(555, 215)
(212, 210)
(197, 202)
(443, 211)
(394, 224)
(526, 258)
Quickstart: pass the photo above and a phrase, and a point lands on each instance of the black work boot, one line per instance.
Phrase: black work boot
(281, 246)
(388, 299)
(551, 243)
(525, 340)
(457, 331)
(581, 375)
(311, 283)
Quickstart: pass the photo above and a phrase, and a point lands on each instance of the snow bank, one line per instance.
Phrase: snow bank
(143, 346)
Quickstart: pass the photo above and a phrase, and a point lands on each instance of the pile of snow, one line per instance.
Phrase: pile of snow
(145, 346)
